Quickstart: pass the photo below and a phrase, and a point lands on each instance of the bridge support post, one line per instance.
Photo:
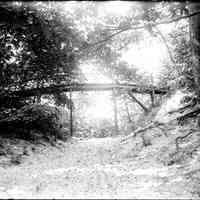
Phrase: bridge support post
(152, 99)
(71, 114)
(115, 112)
(152, 94)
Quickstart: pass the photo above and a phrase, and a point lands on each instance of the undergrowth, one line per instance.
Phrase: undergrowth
(33, 122)
(31, 125)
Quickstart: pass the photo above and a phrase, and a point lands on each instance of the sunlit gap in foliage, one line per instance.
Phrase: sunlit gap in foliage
(148, 56)
(101, 105)
(120, 8)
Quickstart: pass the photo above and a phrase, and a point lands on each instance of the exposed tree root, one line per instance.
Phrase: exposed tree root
(183, 137)
(180, 138)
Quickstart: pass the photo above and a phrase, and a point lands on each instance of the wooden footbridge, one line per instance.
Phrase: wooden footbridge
(135, 88)
(8, 98)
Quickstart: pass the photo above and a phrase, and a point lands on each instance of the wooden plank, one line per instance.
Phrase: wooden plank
(6, 96)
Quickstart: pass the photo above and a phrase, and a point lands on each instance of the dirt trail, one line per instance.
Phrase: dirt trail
(90, 168)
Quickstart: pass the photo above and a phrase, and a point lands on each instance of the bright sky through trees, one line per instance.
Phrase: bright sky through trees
(147, 56)
(120, 8)
(101, 104)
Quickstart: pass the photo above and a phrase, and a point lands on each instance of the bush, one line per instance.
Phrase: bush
(33, 122)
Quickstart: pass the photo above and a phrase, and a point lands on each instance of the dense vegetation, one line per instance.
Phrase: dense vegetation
(36, 51)
(43, 44)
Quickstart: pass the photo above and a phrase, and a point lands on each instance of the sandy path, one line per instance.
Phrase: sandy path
(89, 169)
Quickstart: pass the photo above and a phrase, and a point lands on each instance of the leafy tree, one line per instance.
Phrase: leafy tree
(36, 48)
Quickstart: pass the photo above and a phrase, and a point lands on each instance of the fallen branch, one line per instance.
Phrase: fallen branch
(189, 114)
(140, 130)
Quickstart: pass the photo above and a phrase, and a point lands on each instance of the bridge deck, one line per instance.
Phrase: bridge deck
(7, 96)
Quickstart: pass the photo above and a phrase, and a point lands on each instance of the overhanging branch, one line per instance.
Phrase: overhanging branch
(140, 27)
(166, 44)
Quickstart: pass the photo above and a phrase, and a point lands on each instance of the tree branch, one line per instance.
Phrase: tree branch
(140, 27)
(104, 40)
(165, 42)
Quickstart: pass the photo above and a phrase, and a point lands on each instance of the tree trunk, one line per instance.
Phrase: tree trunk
(194, 22)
